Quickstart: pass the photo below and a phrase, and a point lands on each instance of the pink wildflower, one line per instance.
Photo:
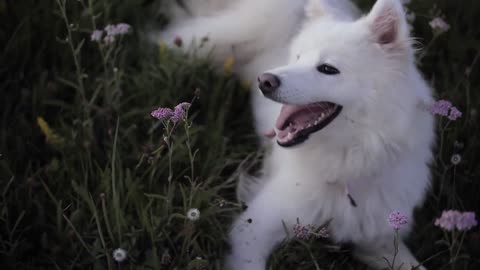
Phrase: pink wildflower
(448, 220)
(439, 26)
(122, 28)
(302, 232)
(451, 219)
(109, 39)
(96, 35)
(444, 108)
(323, 233)
(454, 114)
(180, 111)
(113, 30)
(397, 220)
(440, 107)
(175, 115)
(466, 221)
(162, 113)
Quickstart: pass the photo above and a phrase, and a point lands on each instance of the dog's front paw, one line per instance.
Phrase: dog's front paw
(233, 262)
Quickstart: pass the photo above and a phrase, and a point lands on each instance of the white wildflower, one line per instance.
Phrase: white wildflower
(456, 159)
(193, 214)
(119, 255)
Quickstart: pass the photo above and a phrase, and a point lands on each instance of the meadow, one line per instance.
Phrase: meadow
(90, 180)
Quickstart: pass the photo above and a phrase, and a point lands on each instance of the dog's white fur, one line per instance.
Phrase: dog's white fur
(379, 146)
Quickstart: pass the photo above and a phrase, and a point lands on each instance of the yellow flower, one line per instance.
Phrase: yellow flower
(2, 7)
(246, 84)
(163, 48)
(50, 135)
(228, 64)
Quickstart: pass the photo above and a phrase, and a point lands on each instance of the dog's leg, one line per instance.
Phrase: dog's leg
(253, 237)
(377, 254)
(264, 225)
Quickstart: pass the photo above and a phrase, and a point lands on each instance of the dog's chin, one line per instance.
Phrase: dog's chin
(296, 123)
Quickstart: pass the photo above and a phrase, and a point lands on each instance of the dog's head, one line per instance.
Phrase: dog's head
(345, 74)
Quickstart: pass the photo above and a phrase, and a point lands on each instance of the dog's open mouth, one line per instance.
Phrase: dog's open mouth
(296, 123)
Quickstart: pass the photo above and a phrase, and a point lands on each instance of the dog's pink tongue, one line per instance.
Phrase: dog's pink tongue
(281, 134)
(285, 112)
(270, 134)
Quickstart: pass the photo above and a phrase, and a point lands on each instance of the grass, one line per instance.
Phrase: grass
(97, 178)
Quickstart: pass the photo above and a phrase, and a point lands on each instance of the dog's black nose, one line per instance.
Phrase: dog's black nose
(268, 83)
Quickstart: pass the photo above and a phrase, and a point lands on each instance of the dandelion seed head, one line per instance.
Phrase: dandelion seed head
(456, 159)
(193, 214)
(119, 255)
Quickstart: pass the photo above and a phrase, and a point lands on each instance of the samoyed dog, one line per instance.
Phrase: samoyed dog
(339, 105)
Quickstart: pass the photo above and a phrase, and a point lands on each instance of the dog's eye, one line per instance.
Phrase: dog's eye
(327, 69)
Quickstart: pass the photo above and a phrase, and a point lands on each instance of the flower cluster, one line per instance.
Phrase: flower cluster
(453, 219)
(305, 232)
(302, 232)
(397, 220)
(166, 114)
(444, 108)
(439, 26)
(111, 31)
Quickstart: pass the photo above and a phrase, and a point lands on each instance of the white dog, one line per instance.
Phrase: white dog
(352, 143)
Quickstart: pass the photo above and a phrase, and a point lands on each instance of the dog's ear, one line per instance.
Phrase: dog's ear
(388, 23)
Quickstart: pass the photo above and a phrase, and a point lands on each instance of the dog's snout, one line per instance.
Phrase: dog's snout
(267, 82)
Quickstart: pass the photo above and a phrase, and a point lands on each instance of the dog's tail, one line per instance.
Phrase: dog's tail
(180, 10)
(224, 29)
